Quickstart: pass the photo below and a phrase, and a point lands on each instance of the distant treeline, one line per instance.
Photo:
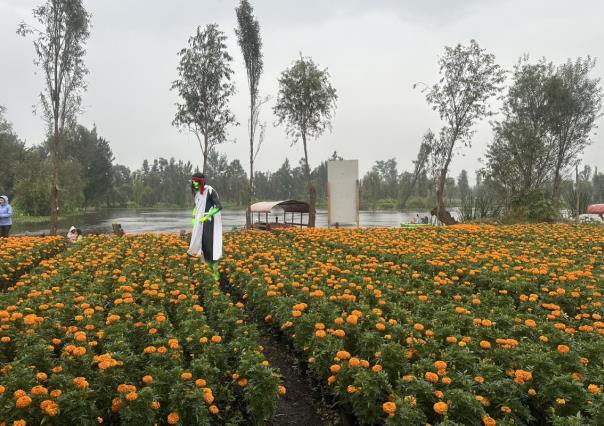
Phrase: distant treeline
(91, 178)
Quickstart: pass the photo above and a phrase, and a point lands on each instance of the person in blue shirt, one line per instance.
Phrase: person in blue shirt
(6, 216)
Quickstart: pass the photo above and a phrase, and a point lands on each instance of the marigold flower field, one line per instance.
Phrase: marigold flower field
(19, 254)
(128, 331)
(472, 325)
(466, 324)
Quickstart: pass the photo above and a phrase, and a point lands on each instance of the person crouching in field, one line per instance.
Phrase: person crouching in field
(6, 216)
(206, 238)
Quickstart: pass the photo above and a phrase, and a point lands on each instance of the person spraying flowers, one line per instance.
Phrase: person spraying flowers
(206, 237)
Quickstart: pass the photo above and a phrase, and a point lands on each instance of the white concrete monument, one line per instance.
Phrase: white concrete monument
(343, 193)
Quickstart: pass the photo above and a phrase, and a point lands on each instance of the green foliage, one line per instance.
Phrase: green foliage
(205, 87)
(306, 102)
(534, 206)
(469, 77)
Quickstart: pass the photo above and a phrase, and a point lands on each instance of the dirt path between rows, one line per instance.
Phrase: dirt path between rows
(302, 404)
(297, 406)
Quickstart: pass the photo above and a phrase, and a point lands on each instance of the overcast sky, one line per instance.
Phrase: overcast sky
(374, 50)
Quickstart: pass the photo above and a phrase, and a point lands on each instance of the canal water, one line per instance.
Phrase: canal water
(174, 220)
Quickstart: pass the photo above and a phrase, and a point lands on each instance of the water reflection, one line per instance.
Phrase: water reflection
(154, 220)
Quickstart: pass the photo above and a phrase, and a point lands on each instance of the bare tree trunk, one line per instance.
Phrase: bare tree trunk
(442, 215)
(440, 202)
(410, 190)
(577, 192)
(556, 188)
(54, 190)
(312, 194)
(250, 190)
(205, 154)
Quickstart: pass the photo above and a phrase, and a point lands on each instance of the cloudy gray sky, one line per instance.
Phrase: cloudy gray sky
(375, 50)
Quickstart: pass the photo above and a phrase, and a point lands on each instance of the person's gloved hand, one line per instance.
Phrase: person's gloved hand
(204, 218)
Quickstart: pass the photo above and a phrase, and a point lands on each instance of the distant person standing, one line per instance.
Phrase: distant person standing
(6, 216)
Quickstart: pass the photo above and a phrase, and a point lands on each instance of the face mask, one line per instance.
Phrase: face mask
(198, 184)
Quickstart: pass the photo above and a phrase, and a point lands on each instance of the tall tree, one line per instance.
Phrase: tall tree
(248, 37)
(205, 88)
(12, 153)
(306, 104)
(520, 157)
(577, 103)
(60, 48)
(419, 165)
(463, 185)
(469, 77)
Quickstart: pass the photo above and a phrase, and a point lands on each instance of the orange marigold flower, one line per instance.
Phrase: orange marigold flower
(200, 383)
(173, 418)
(431, 377)
(440, 407)
(343, 355)
(563, 349)
(80, 382)
(282, 390)
(186, 376)
(489, 421)
(354, 362)
(39, 390)
(594, 388)
(147, 379)
(23, 401)
(213, 409)
(216, 339)
(389, 408)
(440, 365)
